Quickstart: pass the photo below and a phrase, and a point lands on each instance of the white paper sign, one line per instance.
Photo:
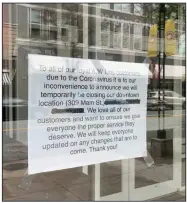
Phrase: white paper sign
(84, 112)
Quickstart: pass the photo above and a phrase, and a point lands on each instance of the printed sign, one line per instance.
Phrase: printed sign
(84, 112)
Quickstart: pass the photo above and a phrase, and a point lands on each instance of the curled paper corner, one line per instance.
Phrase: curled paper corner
(148, 159)
(26, 181)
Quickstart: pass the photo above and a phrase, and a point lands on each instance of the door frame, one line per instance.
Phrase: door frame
(163, 188)
(121, 196)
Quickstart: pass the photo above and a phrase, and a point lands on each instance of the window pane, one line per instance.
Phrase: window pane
(107, 6)
(104, 39)
(118, 7)
(63, 32)
(138, 9)
(45, 34)
(65, 19)
(137, 29)
(121, 36)
(53, 18)
(35, 33)
(105, 25)
(80, 36)
(117, 27)
(35, 16)
(126, 8)
(53, 35)
(45, 17)
(117, 41)
(137, 43)
(126, 35)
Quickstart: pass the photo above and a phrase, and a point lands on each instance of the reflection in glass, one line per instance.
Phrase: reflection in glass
(126, 8)
(105, 25)
(137, 36)
(183, 173)
(104, 39)
(52, 18)
(80, 36)
(53, 35)
(41, 24)
(126, 35)
(118, 7)
(35, 16)
(65, 19)
(117, 27)
(110, 178)
(35, 33)
(117, 41)
(107, 6)
(138, 9)
(162, 169)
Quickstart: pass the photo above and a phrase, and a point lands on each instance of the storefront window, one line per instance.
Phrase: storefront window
(94, 102)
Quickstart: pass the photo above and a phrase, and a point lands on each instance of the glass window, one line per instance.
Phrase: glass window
(45, 34)
(52, 18)
(35, 16)
(137, 29)
(53, 35)
(105, 31)
(126, 8)
(137, 36)
(117, 35)
(76, 105)
(117, 27)
(117, 41)
(126, 35)
(105, 25)
(138, 9)
(80, 36)
(35, 33)
(65, 19)
(118, 7)
(105, 39)
(105, 6)
(64, 32)
(45, 17)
